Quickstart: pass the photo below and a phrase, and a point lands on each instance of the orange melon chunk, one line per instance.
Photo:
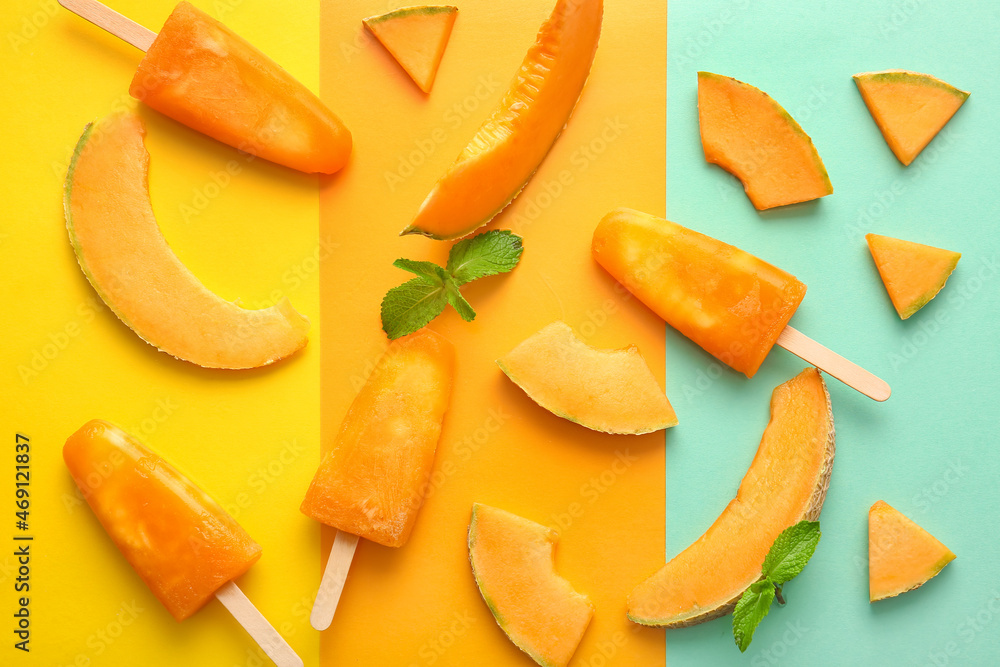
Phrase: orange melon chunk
(909, 108)
(785, 484)
(913, 274)
(751, 136)
(605, 390)
(416, 37)
(122, 252)
(902, 556)
(512, 560)
(500, 159)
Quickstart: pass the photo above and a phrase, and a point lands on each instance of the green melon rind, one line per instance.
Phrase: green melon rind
(910, 78)
(427, 10)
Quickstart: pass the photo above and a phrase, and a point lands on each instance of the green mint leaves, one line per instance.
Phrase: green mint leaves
(416, 302)
(788, 556)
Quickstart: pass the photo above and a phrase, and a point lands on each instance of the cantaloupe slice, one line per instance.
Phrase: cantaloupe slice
(416, 37)
(507, 149)
(751, 136)
(122, 252)
(913, 274)
(902, 556)
(785, 484)
(605, 390)
(512, 560)
(909, 108)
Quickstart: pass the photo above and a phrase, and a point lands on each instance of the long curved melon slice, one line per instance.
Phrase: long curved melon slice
(785, 484)
(902, 556)
(121, 250)
(913, 274)
(512, 560)
(909, 108)
(751, 136)
(496, 165)
(605, 390)
(416, 37)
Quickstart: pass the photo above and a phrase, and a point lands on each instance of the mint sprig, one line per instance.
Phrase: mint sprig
(787, 557)
(416, 302)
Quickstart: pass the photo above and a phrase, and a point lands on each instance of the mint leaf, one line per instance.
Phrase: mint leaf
(486, 254)
(750, 611)
(428, 270)
(411, 305)
(790, 552)
(458, 302)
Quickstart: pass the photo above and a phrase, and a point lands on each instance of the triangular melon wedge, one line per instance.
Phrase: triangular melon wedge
(909, 108)
(913, 274)
(512, 560)
(605, 390)
(747, 133)
(416, 37)
(902, 556)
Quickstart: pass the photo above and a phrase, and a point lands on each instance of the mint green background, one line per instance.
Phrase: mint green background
(932, 450)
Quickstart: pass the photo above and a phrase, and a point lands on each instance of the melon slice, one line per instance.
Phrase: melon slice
(751, 136)
(416, 37)
(909, 108)
(605, 390)
(902, 556)
(512, 560)
(913, 273)
(786, 483)
(122, 252)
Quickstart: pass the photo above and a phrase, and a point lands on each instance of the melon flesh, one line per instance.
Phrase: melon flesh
(902, 556)
(913, 274)
(751, 136)
(605, 390)
(416, 37)
(512, 560)
(122, 252)
(786, 483)
(909, 108)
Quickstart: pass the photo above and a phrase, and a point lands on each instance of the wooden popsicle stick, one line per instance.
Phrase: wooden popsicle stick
(832, 363)
(244, 611)
(334, 576)
(104, 17)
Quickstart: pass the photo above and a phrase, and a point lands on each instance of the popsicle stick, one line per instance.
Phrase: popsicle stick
(104, 17)
(832, 363)
(334, 576)
(276, 648)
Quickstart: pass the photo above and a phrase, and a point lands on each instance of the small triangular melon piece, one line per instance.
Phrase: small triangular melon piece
(913, 273)
(512, 560)
(902, 556)
(909, 108)
(416, 37)
(604, 390)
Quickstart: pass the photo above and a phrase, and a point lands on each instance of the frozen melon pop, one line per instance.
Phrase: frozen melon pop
(734, 305)
(202, 74)
(372, 482)
(181, 542)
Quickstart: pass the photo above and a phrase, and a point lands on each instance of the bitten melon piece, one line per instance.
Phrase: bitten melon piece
(786, 483)
(751, 136)
(909, 108)
(122, 252)
(416, 37)
(902, 556)
(913, 274)
(512, 560)
(605, 390)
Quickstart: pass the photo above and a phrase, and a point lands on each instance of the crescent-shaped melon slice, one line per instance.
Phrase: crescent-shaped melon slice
(496, 165)
(913, 273)
(512, 560)
(605, 390)
(786, 483)
(747, 133)
(121, 250)
(902, 556)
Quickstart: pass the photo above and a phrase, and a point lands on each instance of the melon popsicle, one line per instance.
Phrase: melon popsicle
(372, 481)
(182, 544)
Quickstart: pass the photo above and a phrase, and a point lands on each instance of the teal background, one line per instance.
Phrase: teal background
(931, 451)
